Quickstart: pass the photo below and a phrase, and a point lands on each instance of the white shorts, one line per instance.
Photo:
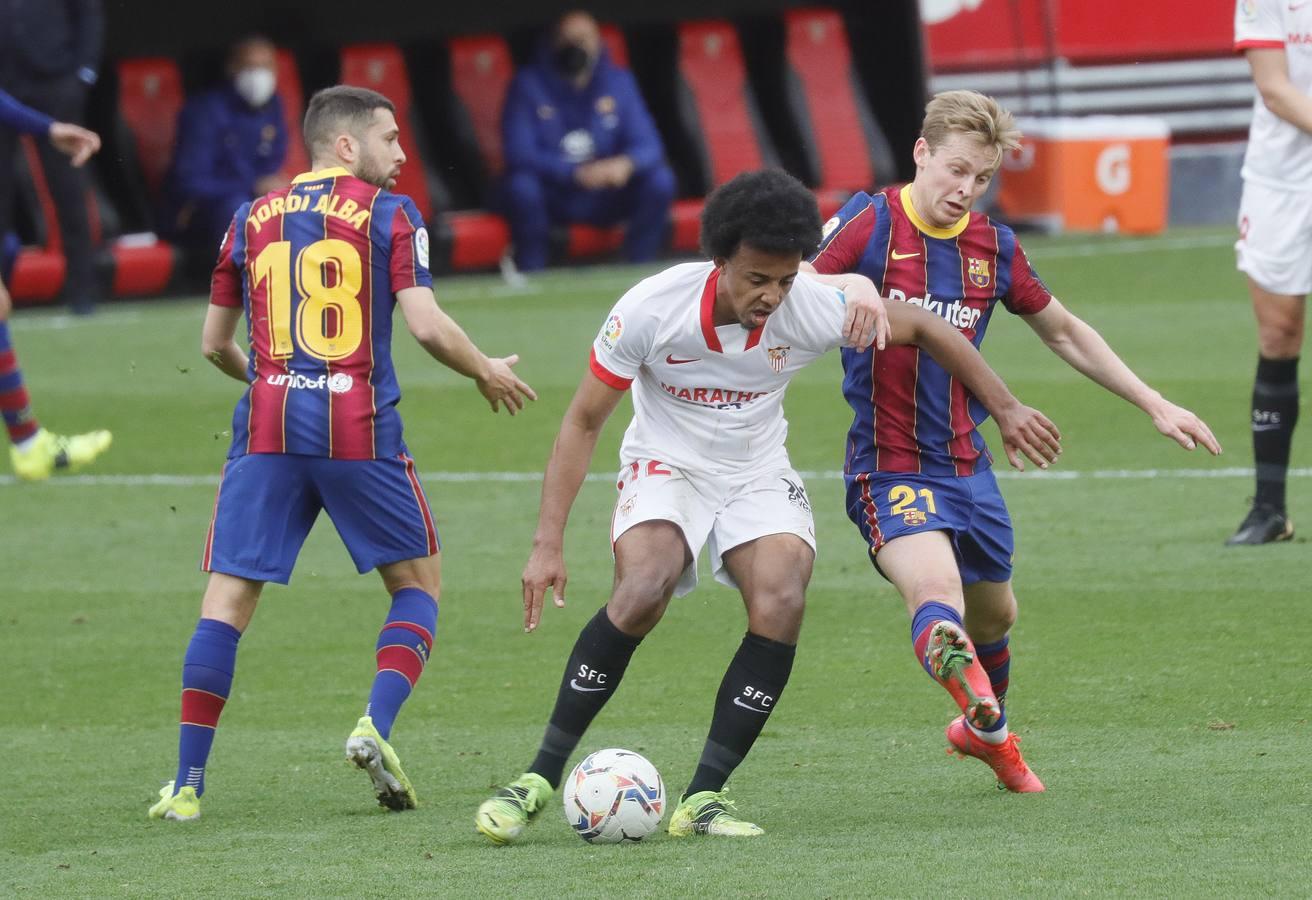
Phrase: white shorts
(1275, 238)
(720, 512)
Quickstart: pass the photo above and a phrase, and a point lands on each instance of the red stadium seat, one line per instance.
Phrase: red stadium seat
(719, 116)
(293, 104)
(481, 69)
(381, 67)
(686, 224)
(149, 100)
(728, 124)
(843, 147)
(613, 40)
(143, 265)
(475, 239)
(37, 277)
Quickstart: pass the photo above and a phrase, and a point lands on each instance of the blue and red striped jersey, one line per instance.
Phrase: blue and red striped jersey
(910, 415)
(316, 268)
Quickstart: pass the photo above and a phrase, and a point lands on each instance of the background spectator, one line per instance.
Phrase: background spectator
(49, 56)
(581, 147)
(232, 141)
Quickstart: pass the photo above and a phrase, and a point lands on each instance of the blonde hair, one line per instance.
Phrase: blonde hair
(972, 114)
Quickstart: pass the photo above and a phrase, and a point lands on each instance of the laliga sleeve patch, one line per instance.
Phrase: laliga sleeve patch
(421, 246)
(828, 228)
(611, 331)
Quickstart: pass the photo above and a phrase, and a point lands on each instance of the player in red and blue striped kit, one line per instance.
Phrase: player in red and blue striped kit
(317, 269)
(919, 482)
(35, 452)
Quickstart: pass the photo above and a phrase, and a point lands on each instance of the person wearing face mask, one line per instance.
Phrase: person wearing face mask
(231, 145)
(580, 146)
(49, 57)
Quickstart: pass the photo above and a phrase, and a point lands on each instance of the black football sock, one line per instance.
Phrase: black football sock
(600, 656)
(748, 694)
(1275, 412)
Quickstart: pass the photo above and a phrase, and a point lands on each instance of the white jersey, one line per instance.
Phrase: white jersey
(1279, 154)
(710, 399)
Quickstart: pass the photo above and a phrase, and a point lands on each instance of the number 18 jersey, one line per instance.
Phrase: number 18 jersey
(316, 268)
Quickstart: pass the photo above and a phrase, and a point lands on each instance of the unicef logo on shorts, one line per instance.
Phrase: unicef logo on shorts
(340, 383)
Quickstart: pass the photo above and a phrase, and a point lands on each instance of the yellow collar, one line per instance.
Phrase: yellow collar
(332, 172)
(950, 232)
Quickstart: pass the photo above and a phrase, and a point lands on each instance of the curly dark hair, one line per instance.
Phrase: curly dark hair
(770, 210)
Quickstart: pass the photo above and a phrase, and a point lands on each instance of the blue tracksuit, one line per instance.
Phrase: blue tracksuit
(223, 147)
(22, 118)
(549, 127)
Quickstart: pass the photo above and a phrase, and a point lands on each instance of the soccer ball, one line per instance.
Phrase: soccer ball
(613, 796)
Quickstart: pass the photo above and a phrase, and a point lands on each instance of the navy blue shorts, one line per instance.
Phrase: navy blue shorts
(888, 505)
(267, 503)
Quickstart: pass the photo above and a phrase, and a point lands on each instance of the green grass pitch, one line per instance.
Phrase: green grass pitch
(1158, 681)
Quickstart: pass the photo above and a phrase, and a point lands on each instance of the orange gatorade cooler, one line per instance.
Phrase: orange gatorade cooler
(1095, 173)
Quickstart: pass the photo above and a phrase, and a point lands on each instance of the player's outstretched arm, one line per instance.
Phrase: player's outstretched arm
(447, 343)
(592, 405)
(218, 341)
(1025, 431)
(1084, 349)
(865, 319)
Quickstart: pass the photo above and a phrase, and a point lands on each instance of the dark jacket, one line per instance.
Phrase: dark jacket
(45, 39)
(224, 146)
(549, 127)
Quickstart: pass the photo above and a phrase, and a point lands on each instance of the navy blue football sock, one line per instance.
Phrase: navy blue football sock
(206, 680)
(404, 644)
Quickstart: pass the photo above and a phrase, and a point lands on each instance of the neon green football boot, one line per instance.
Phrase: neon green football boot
(367, 749)
(504, 816)
(49, 453)
(708, 812)
(184, 806)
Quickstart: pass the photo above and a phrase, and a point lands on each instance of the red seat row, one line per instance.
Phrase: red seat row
(717, 114)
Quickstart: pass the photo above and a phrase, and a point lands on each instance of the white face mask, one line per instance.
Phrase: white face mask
(256, 86)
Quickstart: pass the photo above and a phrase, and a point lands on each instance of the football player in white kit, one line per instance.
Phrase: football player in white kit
(1275, 240)
(708, 349)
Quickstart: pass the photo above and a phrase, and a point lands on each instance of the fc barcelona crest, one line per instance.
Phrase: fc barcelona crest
(778, 357)
(979, 272)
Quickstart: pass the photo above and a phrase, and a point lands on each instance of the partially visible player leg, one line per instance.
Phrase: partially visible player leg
(207, 671)
(381, 512)
(650, 558)
(772, 572)
(1280, 320)
(263, 510)
(406, 639)
(990, 615)
(403, 648)
(923, 567)
(36, 453)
